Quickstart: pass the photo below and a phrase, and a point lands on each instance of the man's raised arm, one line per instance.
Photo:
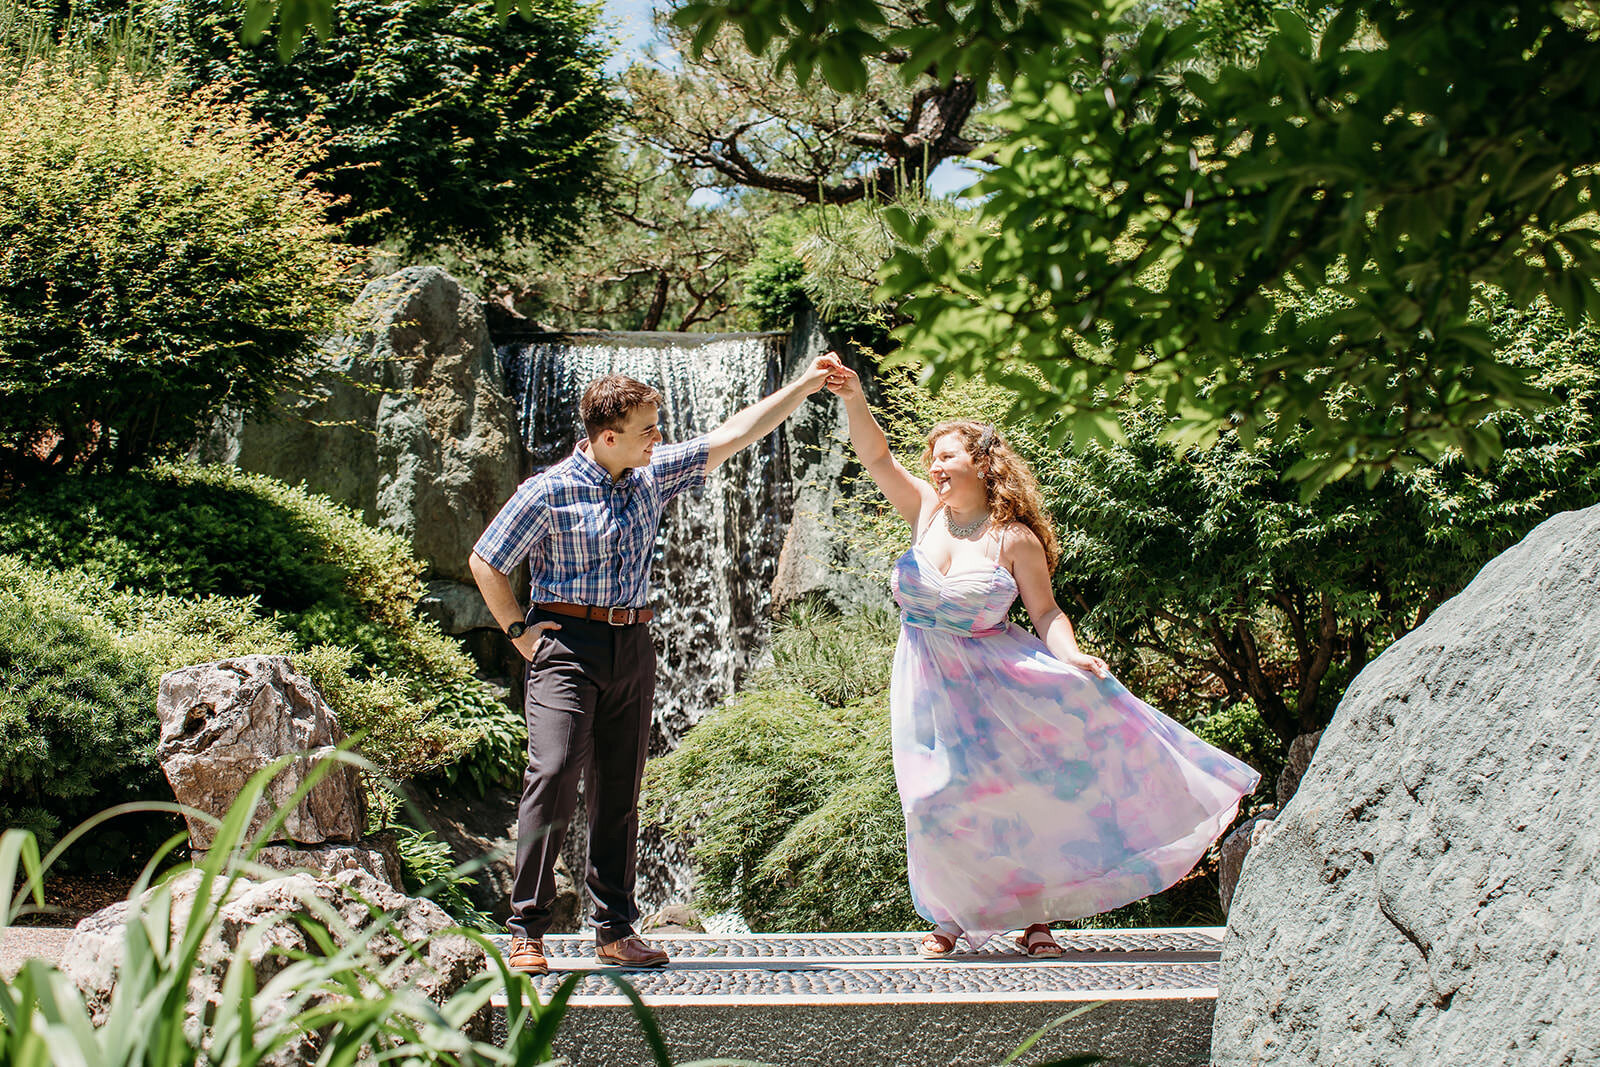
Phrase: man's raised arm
(751, 424)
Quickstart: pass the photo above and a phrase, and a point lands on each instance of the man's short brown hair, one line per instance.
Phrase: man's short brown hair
(608, 401)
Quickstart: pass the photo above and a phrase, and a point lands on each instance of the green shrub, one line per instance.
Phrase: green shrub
(791, 806)
(161, 261)
(835, 659)
(183, 565)
(76, 714)
(190, 531)
(500, 754)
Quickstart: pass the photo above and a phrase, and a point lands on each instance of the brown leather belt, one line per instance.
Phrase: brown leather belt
(614, 616)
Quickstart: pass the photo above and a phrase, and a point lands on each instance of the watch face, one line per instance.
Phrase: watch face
(516, 630)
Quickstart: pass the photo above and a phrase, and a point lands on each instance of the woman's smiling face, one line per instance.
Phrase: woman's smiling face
(954, 473)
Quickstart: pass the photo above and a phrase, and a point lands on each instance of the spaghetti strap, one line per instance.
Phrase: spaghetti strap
(996, 533)
(924, 531)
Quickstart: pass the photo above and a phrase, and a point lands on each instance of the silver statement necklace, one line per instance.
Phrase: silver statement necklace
(961, 531)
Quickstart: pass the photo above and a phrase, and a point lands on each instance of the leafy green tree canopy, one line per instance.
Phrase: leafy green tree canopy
(443, 121)
(1142, 220)
(158, 263)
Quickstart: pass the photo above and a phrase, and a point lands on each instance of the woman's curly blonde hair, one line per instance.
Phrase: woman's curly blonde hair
(1013, 490)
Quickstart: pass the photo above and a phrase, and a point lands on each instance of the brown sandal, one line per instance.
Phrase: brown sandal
(1037, 943)
(936, 944)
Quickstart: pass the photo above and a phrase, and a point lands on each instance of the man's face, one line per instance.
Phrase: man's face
(634, 442)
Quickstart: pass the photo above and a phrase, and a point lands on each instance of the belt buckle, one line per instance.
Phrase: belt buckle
(611, 616)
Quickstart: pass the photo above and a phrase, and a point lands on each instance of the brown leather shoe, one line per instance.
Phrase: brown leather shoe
(527, 956)
(630, 952)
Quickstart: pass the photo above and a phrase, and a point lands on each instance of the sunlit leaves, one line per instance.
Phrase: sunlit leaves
(1152, 225)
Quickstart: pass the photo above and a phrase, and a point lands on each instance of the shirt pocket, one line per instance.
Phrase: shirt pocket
(581, 533)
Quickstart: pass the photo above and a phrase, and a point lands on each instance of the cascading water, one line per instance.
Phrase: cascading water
(717, 550)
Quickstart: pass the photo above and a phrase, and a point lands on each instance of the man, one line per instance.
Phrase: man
(587, 528)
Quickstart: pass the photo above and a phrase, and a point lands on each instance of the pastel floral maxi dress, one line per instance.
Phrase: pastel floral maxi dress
(1032, 790)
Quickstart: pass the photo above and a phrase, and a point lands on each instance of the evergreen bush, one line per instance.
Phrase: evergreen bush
(190, 531)
(162, 260)
(180, 564)
(786, 789)
(77, 715)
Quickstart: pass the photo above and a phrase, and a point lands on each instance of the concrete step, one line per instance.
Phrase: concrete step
(844, 999)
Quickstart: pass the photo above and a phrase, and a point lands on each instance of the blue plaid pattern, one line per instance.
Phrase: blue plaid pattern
(588, 539)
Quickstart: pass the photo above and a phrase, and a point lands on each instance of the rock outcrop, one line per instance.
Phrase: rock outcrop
(1235, 847)
(409, 424)
(256, 925)
(222, 722)
(1430, 894)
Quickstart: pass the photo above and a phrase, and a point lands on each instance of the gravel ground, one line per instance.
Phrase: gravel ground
(21, 943)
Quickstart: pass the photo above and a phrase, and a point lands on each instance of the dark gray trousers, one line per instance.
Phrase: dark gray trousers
(589, 695)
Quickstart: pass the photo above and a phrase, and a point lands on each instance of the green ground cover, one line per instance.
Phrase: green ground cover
(112, 579)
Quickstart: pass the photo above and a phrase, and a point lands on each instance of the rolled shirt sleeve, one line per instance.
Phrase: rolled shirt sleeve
(679, 467)
(522, 525)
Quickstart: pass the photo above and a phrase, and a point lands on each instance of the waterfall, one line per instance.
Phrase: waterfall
(717, 550)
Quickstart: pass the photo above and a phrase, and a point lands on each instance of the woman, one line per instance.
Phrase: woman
(1035, 787)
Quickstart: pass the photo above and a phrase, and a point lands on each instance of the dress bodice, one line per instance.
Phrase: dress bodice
(972, 603)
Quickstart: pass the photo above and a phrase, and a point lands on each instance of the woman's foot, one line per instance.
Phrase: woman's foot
(937, 944)
(1036, 942)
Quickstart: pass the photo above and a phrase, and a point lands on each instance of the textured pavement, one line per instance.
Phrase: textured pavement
(870, 968)
(19, 943)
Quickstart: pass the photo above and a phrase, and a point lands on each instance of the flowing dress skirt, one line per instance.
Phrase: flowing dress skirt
(1034, 791)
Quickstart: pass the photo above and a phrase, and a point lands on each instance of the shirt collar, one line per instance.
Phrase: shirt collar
(587, 467)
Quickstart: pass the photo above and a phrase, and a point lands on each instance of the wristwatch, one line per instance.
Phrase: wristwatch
(516, 629)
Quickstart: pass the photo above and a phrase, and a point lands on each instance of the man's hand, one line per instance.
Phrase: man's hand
(822, 373)
(841, 381)
(528, 644)
(749, 425)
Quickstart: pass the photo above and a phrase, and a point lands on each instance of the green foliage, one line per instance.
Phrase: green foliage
(188, 564)
(648, 257)
(75, 714)
(161, 261)
(1145, 224)
(838, 660)
(1213, 560)
(792, 812)
(340, 990)
(773, 293)
(444, 123)
(500, 754)
(429, 870)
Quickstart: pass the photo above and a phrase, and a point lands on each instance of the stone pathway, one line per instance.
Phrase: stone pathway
(859, 999)
(870, 968)
(20, 943)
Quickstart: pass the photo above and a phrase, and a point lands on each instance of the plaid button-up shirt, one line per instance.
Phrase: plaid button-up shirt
(588, 538)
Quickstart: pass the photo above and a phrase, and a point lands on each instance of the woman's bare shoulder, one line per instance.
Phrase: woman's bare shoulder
(1018, 543)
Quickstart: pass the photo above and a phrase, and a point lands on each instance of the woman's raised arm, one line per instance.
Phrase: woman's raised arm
(911, 496)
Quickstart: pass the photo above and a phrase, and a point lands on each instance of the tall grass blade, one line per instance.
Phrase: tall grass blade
(20, 848)
(1033, 1039)
(646, 1020)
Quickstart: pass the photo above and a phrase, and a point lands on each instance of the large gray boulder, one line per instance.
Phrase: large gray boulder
(410, 424)
(222, 722)
(259, 925)
(1430, 894)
